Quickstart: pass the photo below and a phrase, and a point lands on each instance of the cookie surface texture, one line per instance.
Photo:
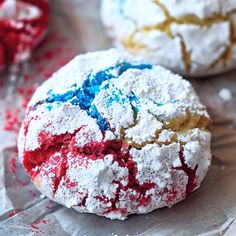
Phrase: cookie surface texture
(111, 135)
(195, 38)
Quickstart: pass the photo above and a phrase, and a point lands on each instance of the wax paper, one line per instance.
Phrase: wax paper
(75, 28)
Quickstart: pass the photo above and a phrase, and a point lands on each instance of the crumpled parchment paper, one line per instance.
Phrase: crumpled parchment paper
(211, 210)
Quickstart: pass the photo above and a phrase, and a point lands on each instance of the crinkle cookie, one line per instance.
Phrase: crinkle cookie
(192, 37)
(23, 24)
(111, 135)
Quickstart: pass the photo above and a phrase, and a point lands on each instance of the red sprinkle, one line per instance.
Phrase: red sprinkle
(32, 193)
(13, 165)
(11, 213)
(36, 224)
(12, 122)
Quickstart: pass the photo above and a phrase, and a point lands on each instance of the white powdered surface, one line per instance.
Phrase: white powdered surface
(148, 110)
(194, 38)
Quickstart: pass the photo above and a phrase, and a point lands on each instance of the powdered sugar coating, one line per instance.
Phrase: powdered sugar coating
(111, 135)
(15, 11)
(175, 33)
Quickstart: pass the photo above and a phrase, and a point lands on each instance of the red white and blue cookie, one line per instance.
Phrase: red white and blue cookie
(111, 135)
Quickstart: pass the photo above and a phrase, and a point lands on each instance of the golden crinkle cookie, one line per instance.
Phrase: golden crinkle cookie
(191, 37)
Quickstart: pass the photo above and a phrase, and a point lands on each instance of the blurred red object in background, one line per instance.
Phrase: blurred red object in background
(23, 24)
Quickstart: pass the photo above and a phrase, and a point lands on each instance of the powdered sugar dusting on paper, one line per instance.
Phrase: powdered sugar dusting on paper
(108, 134)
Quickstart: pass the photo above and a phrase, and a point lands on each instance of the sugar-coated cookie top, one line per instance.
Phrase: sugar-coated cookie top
(112, 135)
(105, 91)
(18, 11)
(195, 37)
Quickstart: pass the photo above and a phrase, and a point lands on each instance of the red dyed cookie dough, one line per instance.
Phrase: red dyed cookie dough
(23, 24)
